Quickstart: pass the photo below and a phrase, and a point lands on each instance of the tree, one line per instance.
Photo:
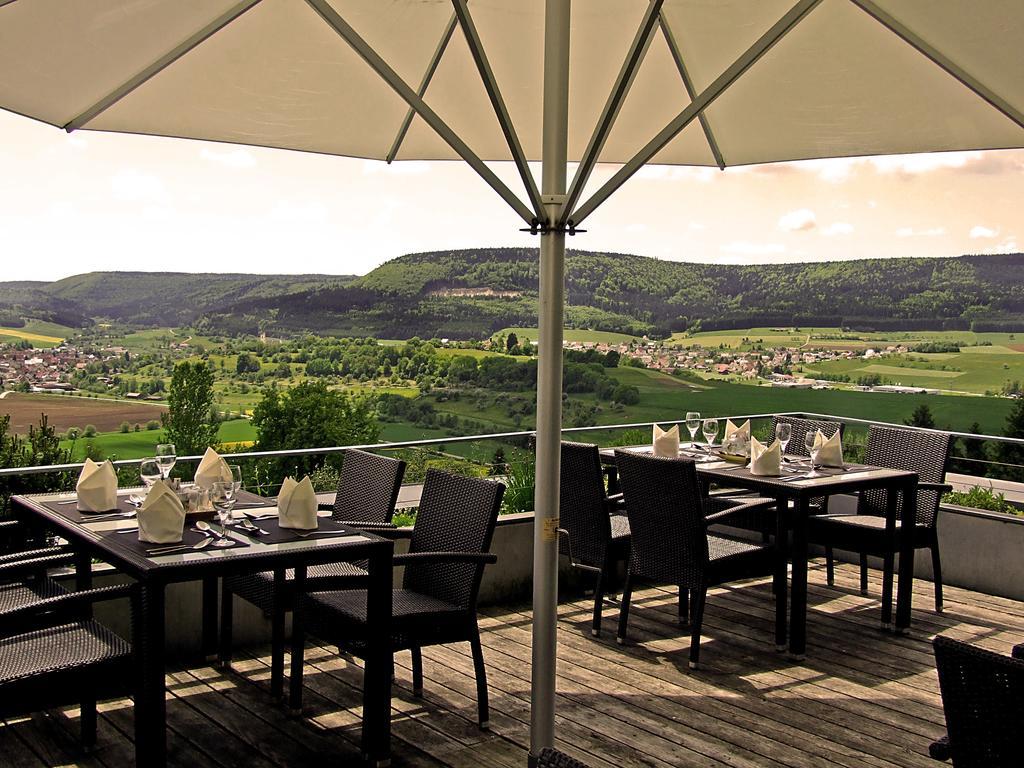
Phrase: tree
(187, 421)
(1010, 454)
(246, 363)
(511, 342)
(922, 417)
(312, 416)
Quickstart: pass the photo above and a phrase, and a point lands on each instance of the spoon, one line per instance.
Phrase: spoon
(209, 530)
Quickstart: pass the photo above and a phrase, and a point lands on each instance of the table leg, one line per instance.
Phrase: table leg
(210, 618)
(150, 704)
(298, 641)
(905, 596)
(889, 556)
(798, 615)
(376, 741)
(277, 635)
(780, 582)
(83, 576)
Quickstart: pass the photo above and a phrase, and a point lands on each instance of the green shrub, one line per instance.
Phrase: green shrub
(89, 431)
(125, 427)
(982, 498)
(520, 484)
(151, 425)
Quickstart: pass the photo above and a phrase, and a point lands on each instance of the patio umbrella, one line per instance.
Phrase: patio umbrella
(694, 82)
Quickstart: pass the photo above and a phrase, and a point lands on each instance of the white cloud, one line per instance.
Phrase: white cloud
(130, 185)
(800, 220)
(747, 248)
(837, 228)
(923, 163)
(230, 158)
(1009, 245)
(911, 232)
(979, 231)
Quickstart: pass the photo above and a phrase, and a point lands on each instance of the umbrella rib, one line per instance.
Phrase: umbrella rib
(684, 74)
(942, 61)
(635, 55)
(700, 103)
(435, 60)
(431, 118)
(498, 103)
(5, 2)
(159, 65)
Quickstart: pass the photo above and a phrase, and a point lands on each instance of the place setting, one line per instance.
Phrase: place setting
(294, 519)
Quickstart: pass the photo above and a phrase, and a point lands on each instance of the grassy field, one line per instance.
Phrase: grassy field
(41, 334)
(571, 334)
(238, 433)
(837, 338)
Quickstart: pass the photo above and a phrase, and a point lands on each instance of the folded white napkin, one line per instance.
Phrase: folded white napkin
(730, 428)
(830, 449)
(765, 460)
(161, 516)
(666, 442)
(212, 469)
(97, 487)
(296, 504)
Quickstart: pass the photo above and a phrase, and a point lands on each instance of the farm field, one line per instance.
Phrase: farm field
(66, 411)
(837, 338)
(235, 434)
(40, 333)
(572, 334)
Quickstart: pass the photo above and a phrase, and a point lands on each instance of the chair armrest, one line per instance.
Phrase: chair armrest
(68, 601)
(14, 557)
(375, 527)
(324, 506)
(1018, 651)
(413, 558)
(615, 504)
(11, 571)
(940, 487)
(9, 525)
(939, 749)
(735, 508)
(393, 533)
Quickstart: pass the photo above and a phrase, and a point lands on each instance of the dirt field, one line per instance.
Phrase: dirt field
(65, 412)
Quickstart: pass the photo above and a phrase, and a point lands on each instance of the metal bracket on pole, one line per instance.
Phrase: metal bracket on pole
(159, 65)
(677, 56)
(476, 48)
(966, 79)
(698, 105)
(635, 55)
(334, 20)
(435, 60)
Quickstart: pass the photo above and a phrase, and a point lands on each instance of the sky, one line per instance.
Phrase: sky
(74, 203)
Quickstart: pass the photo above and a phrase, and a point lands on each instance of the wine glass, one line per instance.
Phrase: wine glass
(222, 495)
(693, 424)
(166, 455)
(710, 430)
(783, 433)
(150, 472)
(813, 447)
(236, 477)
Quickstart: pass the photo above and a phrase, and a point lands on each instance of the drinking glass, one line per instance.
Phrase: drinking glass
(710, 430)
(693, 424)
(222, 495)
(236, 477)
(812, 451)
(783, 433)
(166, 455)
(150, 472)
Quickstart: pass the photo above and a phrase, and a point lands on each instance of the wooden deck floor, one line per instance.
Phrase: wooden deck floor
(862, 698)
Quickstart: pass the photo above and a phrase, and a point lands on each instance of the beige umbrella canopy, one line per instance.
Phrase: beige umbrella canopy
(694, 82)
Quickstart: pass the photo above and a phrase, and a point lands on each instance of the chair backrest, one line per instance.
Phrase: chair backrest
(368, 489)
(925, 453)
(800, 428)
(456, 514)
(983, 698)
(668, 536)
(582, 511)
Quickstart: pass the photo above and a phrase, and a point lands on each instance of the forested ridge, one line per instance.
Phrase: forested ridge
(445, 294)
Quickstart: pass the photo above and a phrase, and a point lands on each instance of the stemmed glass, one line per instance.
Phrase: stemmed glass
(812, 451)
(236, 477)
(710, 430)
(223, 496)
(166, 456)
(783, 433)
(693, 424)
(150, 472)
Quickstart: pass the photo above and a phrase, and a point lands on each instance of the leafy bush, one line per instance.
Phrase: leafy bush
(125, 427)
(89, 431)
(982, 498)
(151, 425)
(520, 484)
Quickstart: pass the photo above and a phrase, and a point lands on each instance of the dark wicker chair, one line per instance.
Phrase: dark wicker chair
(552, 758)
(19, 546)
(925, 453)
(366, 496)
(671, 543)
(594, 532)
(437, 601)
(52, 653)
(983, 699)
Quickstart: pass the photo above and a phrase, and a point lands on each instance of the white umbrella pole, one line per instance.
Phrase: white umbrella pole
(549, 377)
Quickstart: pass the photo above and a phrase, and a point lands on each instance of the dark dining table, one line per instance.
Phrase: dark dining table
(108, 539)
(793, 492)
